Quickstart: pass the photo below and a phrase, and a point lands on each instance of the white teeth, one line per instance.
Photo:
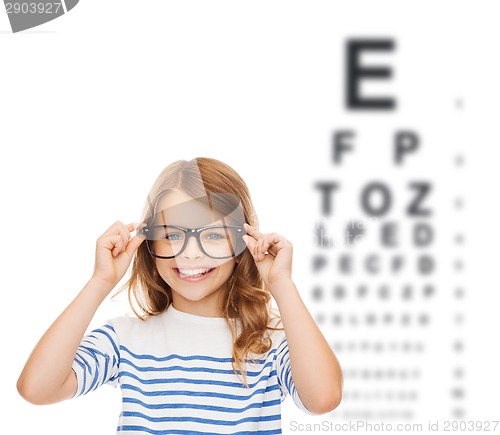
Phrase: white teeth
(191, 272)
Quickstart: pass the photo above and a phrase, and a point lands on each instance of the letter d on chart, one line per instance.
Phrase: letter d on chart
(25, 14)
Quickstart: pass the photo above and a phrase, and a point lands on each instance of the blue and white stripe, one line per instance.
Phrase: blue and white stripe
(176, 376)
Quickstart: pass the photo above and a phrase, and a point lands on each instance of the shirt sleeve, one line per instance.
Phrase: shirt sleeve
(96, 361)
(284, 373)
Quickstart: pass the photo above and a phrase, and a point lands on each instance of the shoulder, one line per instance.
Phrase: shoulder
(130, 324)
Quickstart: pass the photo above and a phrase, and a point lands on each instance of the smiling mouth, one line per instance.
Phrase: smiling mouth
(193, 273)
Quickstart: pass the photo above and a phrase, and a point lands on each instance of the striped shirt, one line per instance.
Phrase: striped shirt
(176, 376)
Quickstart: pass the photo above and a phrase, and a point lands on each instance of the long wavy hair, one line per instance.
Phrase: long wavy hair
(247, 302)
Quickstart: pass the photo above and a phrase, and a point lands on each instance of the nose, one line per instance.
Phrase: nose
(192, 250)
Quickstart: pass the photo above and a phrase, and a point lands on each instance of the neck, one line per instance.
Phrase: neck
(210, 306)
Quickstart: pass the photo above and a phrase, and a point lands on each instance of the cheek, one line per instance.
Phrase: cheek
(164, 269)
(226, 270)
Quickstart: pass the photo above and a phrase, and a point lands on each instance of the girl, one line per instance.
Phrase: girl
(206, 353)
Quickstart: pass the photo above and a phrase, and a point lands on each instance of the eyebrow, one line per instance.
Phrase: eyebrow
(212, 223)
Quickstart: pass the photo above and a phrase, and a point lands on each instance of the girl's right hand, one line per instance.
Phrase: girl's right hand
(114, 252)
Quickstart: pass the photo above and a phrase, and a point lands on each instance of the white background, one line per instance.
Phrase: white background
(94, 104)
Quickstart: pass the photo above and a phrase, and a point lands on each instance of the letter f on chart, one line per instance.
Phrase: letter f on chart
(26, 14)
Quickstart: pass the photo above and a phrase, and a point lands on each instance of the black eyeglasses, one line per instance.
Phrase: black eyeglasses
(221, 241)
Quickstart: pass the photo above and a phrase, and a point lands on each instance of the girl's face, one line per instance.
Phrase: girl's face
(198, 281)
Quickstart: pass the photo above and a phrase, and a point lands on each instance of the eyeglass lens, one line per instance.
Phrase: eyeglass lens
(217, 242)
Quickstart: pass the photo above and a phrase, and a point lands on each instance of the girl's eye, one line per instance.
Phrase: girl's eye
(214, 236)
(173, 236)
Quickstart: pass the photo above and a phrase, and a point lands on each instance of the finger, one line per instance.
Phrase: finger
(251, 245)
(123, 237)
(118, 228)
(112, 243)
(271, 243)
(114, 227)
(118, 225)
(250, 242)
(253, 231)
(262, 246)
(134, 244)
(265, 242)
(249, 238)
(124, 234)
(132, 226)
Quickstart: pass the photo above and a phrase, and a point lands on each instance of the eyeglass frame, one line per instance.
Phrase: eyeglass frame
(190, 232)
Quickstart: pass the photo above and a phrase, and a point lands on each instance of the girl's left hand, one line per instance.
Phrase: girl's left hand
(276, 264)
